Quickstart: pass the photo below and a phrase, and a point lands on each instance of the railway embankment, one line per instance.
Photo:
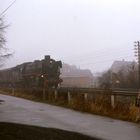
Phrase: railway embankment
(117, 104)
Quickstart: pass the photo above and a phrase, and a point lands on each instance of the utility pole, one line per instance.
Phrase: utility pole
(137, 48)
(137, 54)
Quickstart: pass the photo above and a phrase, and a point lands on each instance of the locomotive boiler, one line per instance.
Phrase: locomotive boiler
(39, 74)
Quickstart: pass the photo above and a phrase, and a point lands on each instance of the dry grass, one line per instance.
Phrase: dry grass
(102, 106)
(133, 111)
(99, 105)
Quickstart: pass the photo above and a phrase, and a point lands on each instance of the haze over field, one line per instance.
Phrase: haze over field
(88, 33)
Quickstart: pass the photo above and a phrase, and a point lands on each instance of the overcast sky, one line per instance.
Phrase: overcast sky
(88, 33)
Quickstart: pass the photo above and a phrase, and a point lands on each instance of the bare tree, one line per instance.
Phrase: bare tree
(124, 78)
(4, 52)
(105, 80)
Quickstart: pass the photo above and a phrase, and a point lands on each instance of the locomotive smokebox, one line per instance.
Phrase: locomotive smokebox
(47, 57)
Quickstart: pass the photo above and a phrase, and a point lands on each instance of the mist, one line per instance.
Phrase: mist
(90, 34)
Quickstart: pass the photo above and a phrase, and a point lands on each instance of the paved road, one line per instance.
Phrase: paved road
(27, 112)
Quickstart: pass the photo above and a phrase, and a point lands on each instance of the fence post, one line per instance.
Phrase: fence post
(86, 97)
(69, 97)
(44, 94)
(55, 94)
(113, 101)
(13, 91)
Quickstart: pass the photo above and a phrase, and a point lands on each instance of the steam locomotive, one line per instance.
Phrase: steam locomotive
(40, 74)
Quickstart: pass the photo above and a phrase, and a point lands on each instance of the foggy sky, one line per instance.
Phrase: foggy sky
(88, 33)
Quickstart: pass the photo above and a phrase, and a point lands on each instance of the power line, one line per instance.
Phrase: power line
(7, 8)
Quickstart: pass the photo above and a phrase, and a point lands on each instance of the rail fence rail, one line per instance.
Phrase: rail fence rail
(115, 95)
(115, 91)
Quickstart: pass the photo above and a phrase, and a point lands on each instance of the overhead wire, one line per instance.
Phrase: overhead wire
(1, 14)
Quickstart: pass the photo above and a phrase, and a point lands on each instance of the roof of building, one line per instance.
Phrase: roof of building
(122, 65)
(73, 71)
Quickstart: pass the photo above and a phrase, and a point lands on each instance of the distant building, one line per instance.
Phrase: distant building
(124, 74)
(123, 66)
(75, 77)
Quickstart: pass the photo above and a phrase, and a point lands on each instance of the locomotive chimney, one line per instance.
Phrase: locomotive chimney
(47, 57)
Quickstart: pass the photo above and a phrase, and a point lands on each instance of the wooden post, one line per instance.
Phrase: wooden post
(113, 101)
(85, 97)
(138, 113)
(44, 94)
(55, 94)
(13, 91)
(69, 97)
